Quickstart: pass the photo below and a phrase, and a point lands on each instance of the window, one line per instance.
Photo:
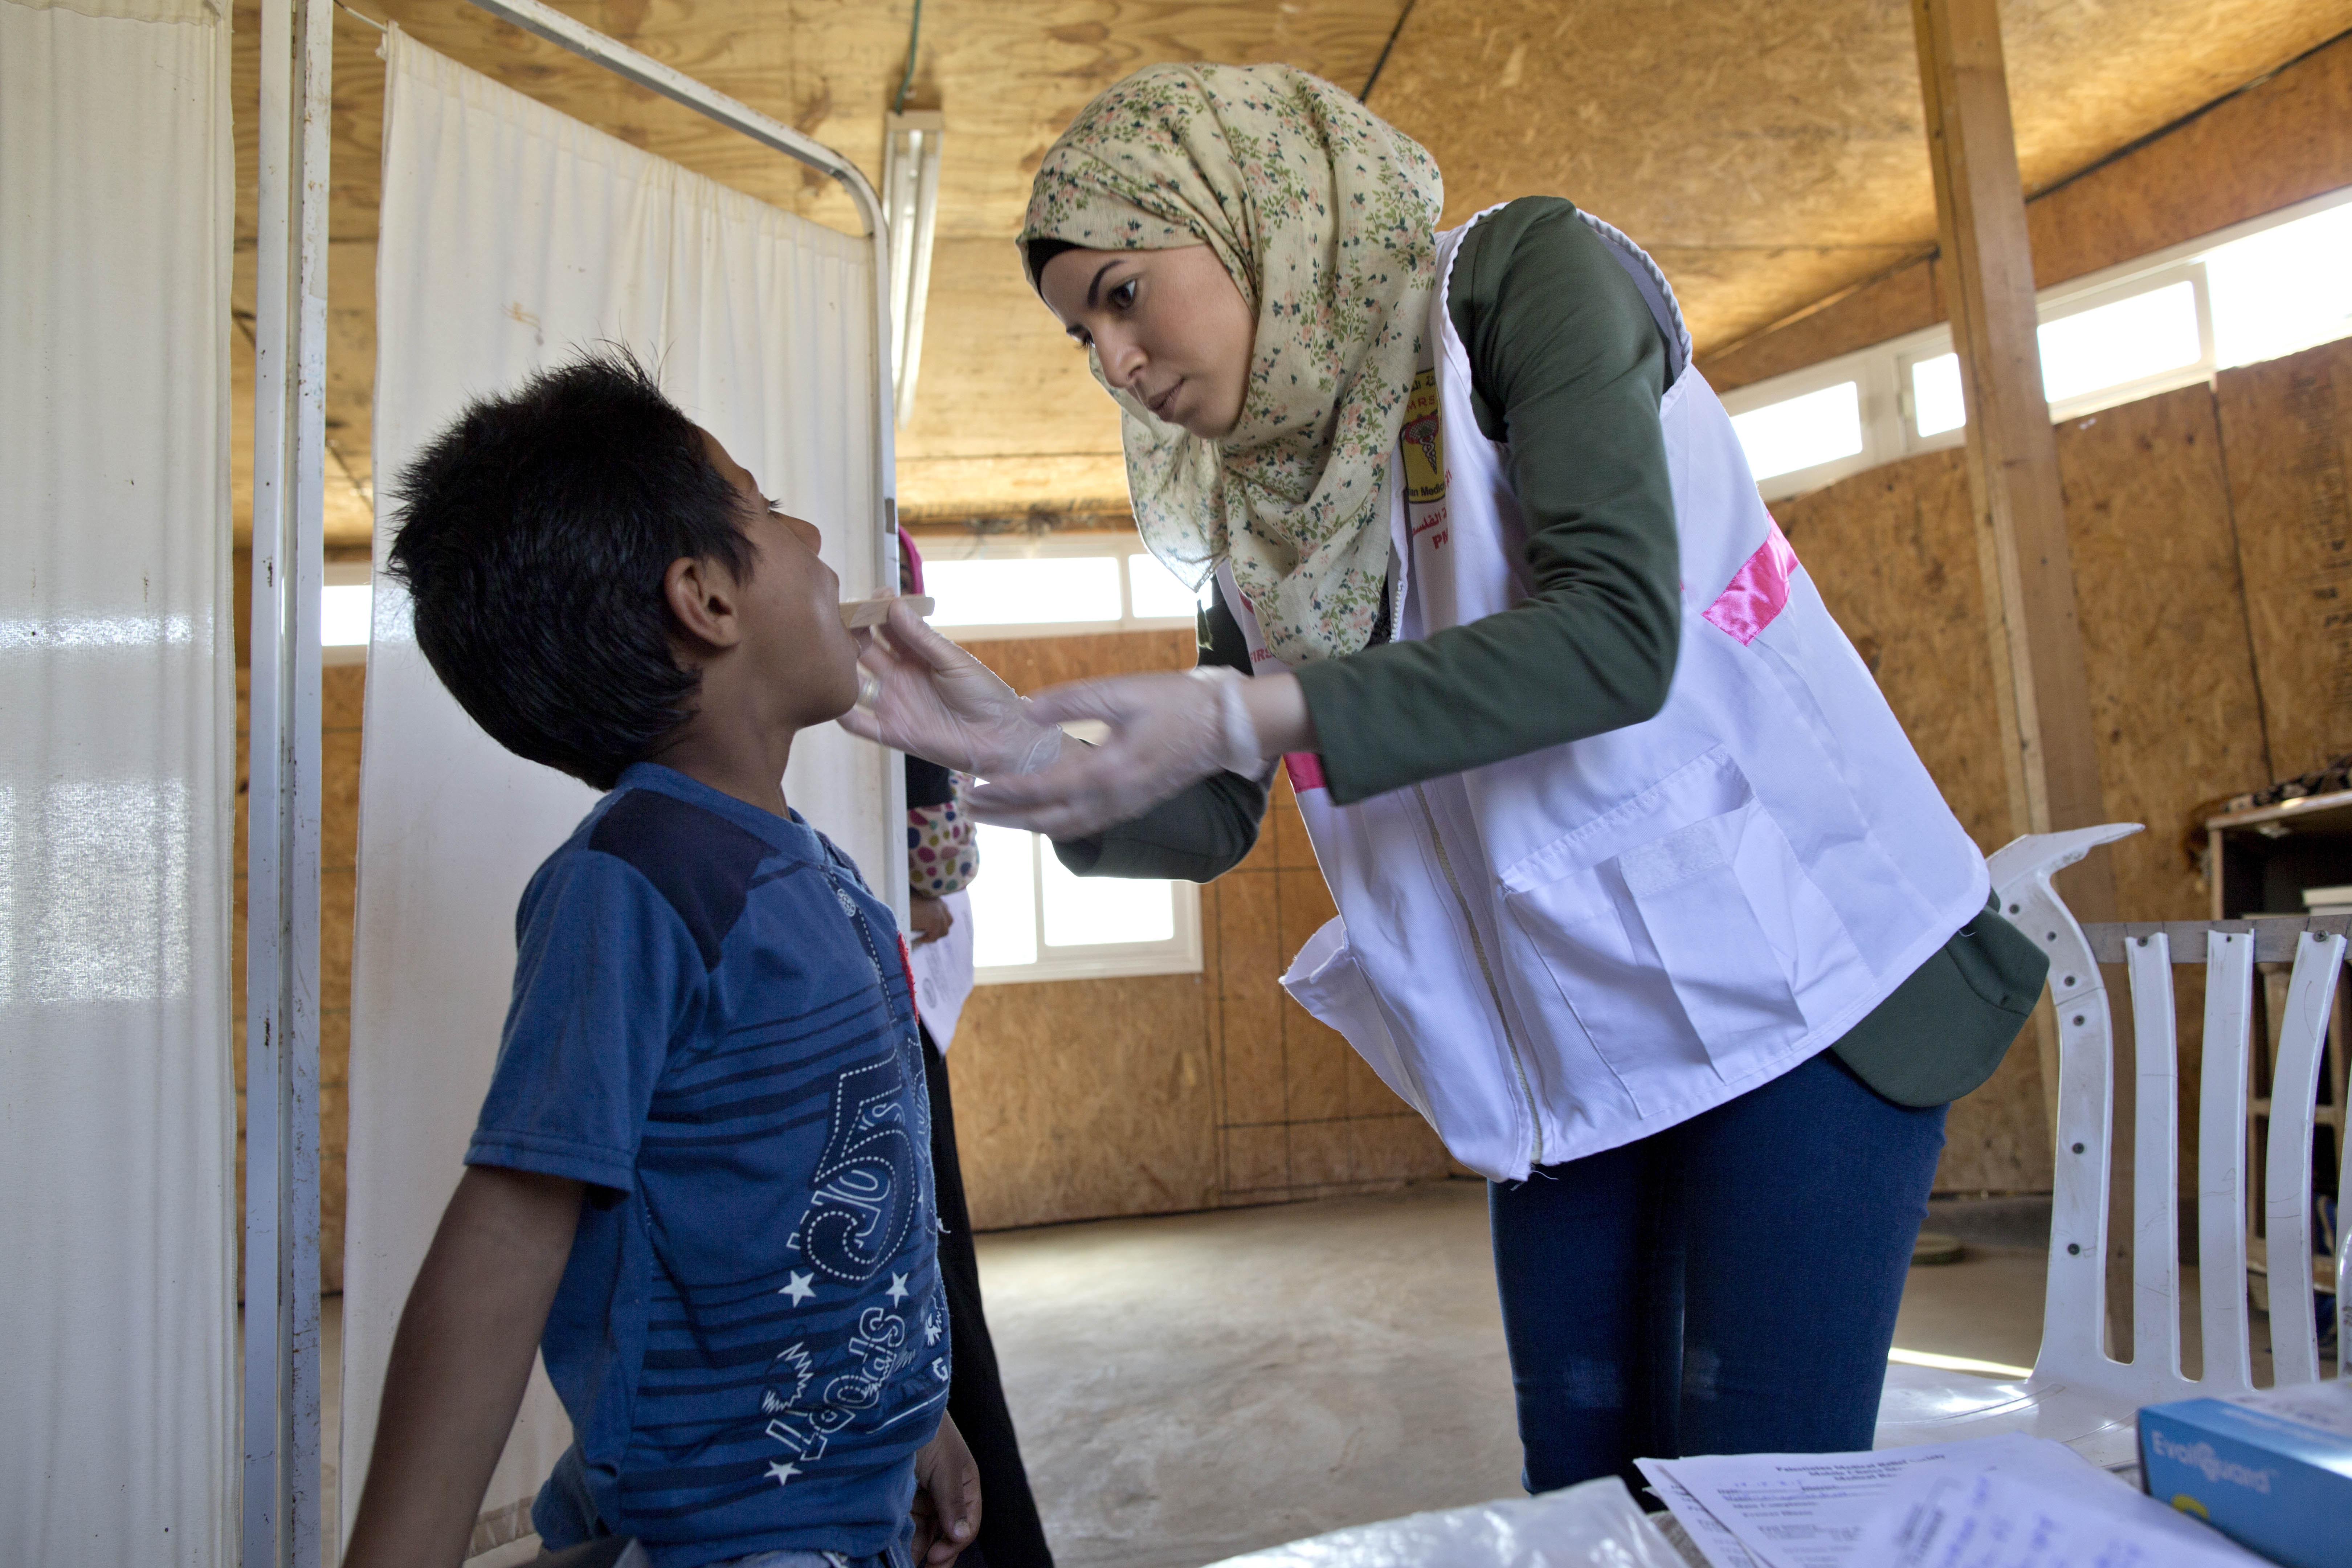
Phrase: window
(982, 592)
(1816, 426)
(346, 608)
(1031, 920)
(2256, 292)
(1936, 402)
(992, 586)
(1802, 432)
(1158, 593)
(2123, 344)
(2283, 289)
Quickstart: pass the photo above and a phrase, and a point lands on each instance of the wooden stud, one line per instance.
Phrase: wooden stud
(2041, 683)
(2012, 454)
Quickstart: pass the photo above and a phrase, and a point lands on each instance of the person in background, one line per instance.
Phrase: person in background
(942, 857)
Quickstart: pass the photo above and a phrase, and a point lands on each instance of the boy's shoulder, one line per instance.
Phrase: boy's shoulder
(701, 855)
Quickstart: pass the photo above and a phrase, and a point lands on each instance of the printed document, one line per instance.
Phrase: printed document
(1813, 1510)
(1938, 1517)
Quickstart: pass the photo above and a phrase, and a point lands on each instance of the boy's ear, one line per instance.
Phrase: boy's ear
(702, 598)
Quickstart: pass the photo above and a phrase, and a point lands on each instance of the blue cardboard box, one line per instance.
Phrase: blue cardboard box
(2272, 1470)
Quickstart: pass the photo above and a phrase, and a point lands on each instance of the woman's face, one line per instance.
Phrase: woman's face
(1168, 326)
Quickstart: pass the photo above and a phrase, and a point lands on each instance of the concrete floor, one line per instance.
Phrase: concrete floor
(1194, 1386)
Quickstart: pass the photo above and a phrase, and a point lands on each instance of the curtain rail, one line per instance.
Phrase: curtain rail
(545, 22)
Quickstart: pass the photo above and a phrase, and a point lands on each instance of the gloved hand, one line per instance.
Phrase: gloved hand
(920, 692)
(1167, 732)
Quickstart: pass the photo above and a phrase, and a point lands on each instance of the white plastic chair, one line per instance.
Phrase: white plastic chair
(2076, 1392)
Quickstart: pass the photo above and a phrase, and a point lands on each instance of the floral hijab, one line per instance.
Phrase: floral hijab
(1324, 216)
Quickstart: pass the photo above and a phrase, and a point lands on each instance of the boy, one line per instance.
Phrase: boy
(702, 1182)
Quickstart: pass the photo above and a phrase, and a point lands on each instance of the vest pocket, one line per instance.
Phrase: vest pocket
(1700, 919)
(1680, 930)
(1326, 980)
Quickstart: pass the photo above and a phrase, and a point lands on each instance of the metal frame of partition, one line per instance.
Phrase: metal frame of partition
(279, 1476)
(281, 1521)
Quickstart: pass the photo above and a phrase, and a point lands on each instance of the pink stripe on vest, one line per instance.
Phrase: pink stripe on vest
(1306, 770)
(1760, 592)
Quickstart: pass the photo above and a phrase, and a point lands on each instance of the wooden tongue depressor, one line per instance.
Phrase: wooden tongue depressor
(857, 613)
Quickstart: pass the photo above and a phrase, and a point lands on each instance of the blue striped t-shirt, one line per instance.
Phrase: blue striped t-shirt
(712, 1028)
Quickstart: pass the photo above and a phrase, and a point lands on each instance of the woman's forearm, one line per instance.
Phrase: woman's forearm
(1196, 835)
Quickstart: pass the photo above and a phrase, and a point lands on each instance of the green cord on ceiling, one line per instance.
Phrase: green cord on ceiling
(913, 37)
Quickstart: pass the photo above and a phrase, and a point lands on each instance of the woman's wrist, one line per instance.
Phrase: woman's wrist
(1031, 749)
(1276, 705)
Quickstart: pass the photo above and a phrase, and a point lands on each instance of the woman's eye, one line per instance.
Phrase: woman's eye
(1123, 297)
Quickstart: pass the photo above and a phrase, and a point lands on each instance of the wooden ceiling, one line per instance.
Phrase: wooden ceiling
(1770, 153)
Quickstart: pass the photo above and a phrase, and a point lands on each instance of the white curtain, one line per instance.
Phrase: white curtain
(117, 755)
(511, 234)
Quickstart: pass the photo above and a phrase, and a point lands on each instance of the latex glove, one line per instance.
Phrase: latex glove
(1167, 732)
(920, 692)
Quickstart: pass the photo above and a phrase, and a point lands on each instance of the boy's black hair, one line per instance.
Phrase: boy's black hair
(533, 535)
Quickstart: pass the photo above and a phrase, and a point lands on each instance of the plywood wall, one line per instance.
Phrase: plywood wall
(2210, 530)
(2287, 429)
(2164, 622)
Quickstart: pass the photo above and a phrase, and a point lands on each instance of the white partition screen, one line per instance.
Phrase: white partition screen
(510, 236)
(117, 713)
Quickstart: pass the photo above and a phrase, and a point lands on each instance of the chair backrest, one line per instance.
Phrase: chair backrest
(2075, 1307)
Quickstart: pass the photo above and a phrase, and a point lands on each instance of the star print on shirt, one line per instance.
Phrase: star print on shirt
(782, 1473)
(898, 1291)
(798, 1287)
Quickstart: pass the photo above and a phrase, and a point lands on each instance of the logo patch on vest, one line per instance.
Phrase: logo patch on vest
(1423, 441)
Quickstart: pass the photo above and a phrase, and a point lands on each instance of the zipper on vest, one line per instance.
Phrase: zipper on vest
(1485, 970)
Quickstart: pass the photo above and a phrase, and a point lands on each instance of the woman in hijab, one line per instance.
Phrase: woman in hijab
(1645, 901)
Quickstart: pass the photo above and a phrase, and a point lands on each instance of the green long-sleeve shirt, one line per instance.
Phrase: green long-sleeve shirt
(1568, 367)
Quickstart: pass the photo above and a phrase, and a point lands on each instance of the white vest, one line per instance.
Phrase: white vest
(1566, 952)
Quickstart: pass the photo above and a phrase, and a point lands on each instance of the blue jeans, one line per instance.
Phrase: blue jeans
(1727, 1286)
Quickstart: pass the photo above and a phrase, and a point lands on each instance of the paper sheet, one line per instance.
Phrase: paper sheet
(1941, 1517)
(942, 972)
(1709, 1534)
(1808, 1511)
